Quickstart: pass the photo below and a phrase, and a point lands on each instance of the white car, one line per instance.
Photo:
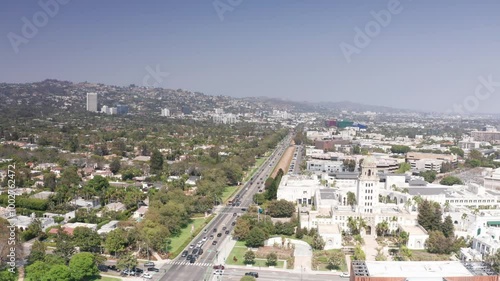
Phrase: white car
(204, 239)
(218, 272)
(345, 275)
(147, 276)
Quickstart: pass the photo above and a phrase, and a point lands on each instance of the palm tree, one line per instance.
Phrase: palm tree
(464, 217)
(447, 206)
(382, 228)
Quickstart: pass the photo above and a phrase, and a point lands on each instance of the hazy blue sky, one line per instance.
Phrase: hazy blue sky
(430, 56)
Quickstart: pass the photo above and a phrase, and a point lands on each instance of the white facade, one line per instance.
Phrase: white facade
(92, 102)
(324, 166)
(367, 190)
(493, 181)
(298, 188)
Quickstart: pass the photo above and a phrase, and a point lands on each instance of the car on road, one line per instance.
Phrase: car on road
(211, 237)
(235, 214)
(113, 267)
(215, 230)
(189, 257)
(233, 223)
(219, 234)
(218, 272)
(147, 276)
(243, 209)
(252, 273)
(224, 228)
(102, 267)
(192, 260)
(218, 266)
(195, 252)
(184, 254)
(204, 239)
(149, 263)
(191, 246)
(214, 243)
(345, 275)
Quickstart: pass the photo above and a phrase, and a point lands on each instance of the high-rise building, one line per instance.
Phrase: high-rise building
(112, 110)
(92, 102)
(121, 109)
(105, 109)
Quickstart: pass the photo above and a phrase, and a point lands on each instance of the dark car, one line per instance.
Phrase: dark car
(153, 269)
(224, 228)
(102, 267)
(219, 234)
(139, 270)
(200, 252)
(113, 267)
(215, 242)
(215, 230)
(227, 232)
(192, 260)
(184, 254)
(254, 274)
(219, 266)
(235, 214)
(233, 223)
(189, 257)
(211, 237)
(195, 252)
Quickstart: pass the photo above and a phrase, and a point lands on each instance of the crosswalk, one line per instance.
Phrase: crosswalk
(207, 264)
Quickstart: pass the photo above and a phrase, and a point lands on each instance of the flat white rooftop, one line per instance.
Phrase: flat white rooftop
(417, 269)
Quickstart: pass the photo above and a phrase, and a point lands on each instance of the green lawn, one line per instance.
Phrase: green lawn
(228, 192)
(180, 242)
(239, 252)
(320, 260)
(258, 163)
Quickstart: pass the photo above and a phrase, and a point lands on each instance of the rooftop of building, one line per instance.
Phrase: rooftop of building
(414, 229)
(327, 193)
(328, 228)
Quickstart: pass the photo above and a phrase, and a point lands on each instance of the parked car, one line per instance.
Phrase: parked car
(153, 269)
(102, 267)
(147, 276)
(149, 263)
(113, 267)
(139, 270)
(252, 273)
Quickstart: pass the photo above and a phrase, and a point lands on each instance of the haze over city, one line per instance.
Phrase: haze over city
(287, 49)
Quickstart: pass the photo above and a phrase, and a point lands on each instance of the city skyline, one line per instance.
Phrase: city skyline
(416, 55)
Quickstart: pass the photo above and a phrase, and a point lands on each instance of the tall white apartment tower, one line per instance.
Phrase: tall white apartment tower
(367, 191)
(92, 102)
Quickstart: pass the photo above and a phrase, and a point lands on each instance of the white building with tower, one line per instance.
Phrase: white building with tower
(92, 102)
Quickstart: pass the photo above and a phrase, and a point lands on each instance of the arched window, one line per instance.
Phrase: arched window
(369, 173)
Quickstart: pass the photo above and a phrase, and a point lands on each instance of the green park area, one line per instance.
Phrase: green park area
(180, 242)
